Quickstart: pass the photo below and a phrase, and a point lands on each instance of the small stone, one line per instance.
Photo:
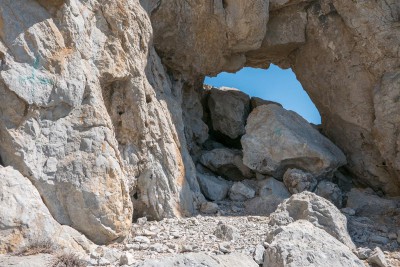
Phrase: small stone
(187, 248)
(194, 221)
(379, 239)
(132, 246)
(236, 209)
(225, 247)
(259, 254)
(103, 261)
(176, 234)
(141, 239)
(226, 232)
(159, 248)
(363, 253)
(148, 233)
(143, 247)
(126, 259)
(348, 211)
(378, 258)
(241, 192)
(209, 208)
(298, 181)
(142, 221)
(392, 236)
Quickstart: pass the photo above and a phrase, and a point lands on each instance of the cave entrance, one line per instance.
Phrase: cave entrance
(274, 84)
(257, 150)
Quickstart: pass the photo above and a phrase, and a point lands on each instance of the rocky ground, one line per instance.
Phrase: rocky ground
(235, 236)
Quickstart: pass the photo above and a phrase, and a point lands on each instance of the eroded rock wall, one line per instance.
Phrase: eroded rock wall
(345, 54)
(90, 116)
(93, 116)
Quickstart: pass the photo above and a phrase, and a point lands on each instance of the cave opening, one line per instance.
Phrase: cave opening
(257, 87)
(272, 84)
(264, 139)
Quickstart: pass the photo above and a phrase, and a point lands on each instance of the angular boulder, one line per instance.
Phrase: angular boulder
(227, 163)
(241, 192)
(229, 109)
(277, 139)
(315, 209)
(271, 186)
(213, 188)
(302, 244)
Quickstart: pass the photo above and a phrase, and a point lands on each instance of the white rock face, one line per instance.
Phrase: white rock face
(91, 116)
(317, 210)
(24, 217)
(277, 139)
(302, 244)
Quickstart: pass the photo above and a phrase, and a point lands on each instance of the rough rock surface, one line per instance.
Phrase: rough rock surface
(344, 53)
(317, 210)
(302, 244)
(213, 188)
(365, 202)
(92, 116)
(200, 259)
(102, 126)
(240, 192)
(331, 192)
(298, 181)
(226, 162)
(25, 219)
(220, 31)
(229, 109)
(300, 145)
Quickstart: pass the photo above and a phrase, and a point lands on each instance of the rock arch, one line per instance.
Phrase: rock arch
(344, 53)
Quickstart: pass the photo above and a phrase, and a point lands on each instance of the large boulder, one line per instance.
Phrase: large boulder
(277, 139)
(229, 109)
(302, 244)
(315, 209)
(227, 163)
(25, 220)
(200, 259)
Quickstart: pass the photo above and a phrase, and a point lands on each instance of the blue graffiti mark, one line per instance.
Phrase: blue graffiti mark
(34, 77)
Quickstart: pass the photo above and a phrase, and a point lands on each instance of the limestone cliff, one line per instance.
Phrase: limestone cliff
(100, 113)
